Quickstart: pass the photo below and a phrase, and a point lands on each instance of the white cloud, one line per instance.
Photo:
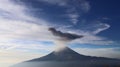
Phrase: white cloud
(25, 47)
(99, 52)
(74, 17)
(11, 10)
(25, 29)
(92, 39)
(56, 2)
(74, 8)
(90, 31)
(12, 30)
(16, 24)
(102, 28)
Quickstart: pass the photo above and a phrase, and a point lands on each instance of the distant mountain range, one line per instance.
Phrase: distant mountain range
(69, 58)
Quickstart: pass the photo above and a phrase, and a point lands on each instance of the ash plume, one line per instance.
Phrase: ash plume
(65, 36)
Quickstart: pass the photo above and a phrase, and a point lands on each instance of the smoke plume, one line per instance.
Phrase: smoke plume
(63, 38)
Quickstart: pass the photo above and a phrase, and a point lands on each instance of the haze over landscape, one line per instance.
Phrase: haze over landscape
(36, 28)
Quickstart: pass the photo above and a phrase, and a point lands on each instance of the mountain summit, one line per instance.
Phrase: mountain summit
(69, 58)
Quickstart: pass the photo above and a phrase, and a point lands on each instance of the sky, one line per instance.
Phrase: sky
(24, 28)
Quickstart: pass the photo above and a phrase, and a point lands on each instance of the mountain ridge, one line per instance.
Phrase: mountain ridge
(69, 58)
(68, 54)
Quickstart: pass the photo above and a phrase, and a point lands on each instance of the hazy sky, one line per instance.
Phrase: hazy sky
(24, 27)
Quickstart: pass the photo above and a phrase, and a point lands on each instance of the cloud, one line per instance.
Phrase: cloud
(92, 39)
(25, 45)
(24, 30)
(16, 24)
(93, 27)
(13, 11)
(74, 17)
(16, 12)
(89, 31)
(56, 2)
(25, 26)
(102, 28)
(99, 52)
(80, 7)
(73, 9)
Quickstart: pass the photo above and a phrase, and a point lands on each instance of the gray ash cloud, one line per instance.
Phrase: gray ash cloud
(65, 36)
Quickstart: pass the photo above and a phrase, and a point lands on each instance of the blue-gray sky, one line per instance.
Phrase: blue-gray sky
(24, 27)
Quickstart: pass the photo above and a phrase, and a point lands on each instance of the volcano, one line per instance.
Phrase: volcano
(69, 58)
